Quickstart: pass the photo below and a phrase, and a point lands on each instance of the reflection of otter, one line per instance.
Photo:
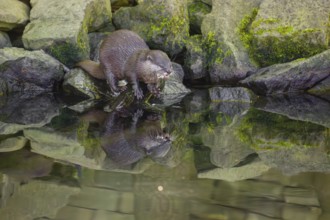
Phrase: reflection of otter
(129, 139)
(125, 55)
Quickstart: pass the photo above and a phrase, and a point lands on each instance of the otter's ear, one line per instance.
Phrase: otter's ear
(149, 58)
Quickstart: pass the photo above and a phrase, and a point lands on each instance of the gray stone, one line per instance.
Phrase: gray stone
(174, 84)
(290, 30)
(228, 58)
(12, 144)
(4, 40)
(296, 76)
(62, 31)
(162, 24)
(322, 87)
(13, 13)
(234, 94)
(197, 11)
(195, 60)
(28, 71)
(21, 111)
(78, 82)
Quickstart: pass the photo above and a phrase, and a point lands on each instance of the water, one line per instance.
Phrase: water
(192, 159)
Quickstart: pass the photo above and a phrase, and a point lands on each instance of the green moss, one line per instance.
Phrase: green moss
(278, 44)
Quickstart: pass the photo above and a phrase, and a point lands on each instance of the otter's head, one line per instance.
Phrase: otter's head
(160, 63)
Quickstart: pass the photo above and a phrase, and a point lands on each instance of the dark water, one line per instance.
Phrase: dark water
(188, 159)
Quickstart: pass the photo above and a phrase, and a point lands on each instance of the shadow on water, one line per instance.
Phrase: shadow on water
(195, 158)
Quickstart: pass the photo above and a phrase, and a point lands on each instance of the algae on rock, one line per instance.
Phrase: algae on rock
(286, 30)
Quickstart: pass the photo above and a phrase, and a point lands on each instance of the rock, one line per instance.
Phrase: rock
(322, 87)
(289, 145)
(208, 2)
(4, 40)
(162, 24)
(28, 71)
(195, 60)
(62, 31)
(13, 14)
(12, 144)
(197, 11)
(247, 171)
(174, 84)
(21, 111)
(37, 199)
(296, 76)
(303, 107)
(290, 30)
(70, 143)
(79, 83)
(95, 40)
(228, 59)
(234, 94)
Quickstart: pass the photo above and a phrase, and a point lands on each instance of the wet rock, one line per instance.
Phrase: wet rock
(79, 83)
(290, 30)
(302, 107)
(65, 38)
(37, 199)
(195, 61)
(21, 111)
(174, 84)
(289, 145)
(322, 87)
(13, 13)
(296, 76)
(228, 58)
(4, 40)
(235, 94)
(162, 24)
(247, 171)
(12, 144)
(197, 11)
(95, 40)
(28, 71)
(70, 142)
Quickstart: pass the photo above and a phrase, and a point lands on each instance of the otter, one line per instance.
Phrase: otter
(125, 56)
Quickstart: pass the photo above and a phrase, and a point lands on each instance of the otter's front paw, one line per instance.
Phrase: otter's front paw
(138, 94)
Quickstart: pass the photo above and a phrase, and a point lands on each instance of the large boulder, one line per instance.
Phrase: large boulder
(61, 28)
(283, 31)
(228, 58)
(4, 40)
(162, 24)
(197, 11)
(28, 71)
(13, 13)
(296, 76)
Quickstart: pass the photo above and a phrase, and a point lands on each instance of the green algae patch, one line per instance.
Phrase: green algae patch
(267, 131)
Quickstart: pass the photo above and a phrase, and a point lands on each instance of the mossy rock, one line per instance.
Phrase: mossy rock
(163, 25)
(286, 30)
(197, 11)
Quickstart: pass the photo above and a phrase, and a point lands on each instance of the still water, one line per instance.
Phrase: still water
(190, 158)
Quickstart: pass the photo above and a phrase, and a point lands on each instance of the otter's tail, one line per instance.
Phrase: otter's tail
(93, 68)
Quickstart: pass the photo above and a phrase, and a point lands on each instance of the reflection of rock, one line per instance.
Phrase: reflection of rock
(24, 165)
(299, 107)
(37, 199)
(71, 143)
(247, 171)
(292, 146)
(21, 111)
(235, 94)
(12, 143)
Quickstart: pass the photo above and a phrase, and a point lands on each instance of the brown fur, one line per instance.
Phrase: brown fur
(125, 55)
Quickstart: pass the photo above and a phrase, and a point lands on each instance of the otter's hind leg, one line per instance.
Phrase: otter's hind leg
(111, 78)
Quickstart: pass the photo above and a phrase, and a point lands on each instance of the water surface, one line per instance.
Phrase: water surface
(190, 159)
